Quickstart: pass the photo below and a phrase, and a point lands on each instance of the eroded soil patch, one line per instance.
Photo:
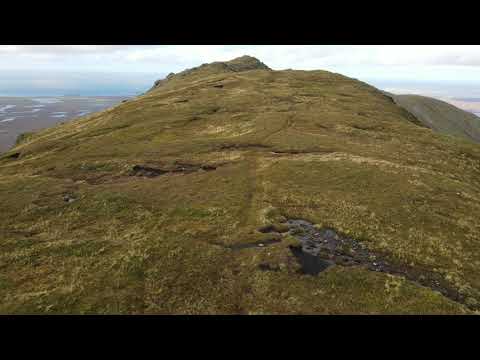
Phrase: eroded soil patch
(301, 152)
(243, 146)
(147, 171)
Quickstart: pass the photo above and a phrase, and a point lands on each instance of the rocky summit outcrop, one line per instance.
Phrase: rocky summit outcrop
(243, 63)
(236, 189)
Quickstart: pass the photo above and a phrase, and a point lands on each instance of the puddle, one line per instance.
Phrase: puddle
(337, 249)
(322, 248)
(8, 119)
(311, 264)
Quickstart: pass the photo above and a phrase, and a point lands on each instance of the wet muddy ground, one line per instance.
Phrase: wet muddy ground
(323, 248)
(148, 171)
(328, 247)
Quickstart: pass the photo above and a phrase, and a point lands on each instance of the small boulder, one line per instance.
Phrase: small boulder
(68, 198)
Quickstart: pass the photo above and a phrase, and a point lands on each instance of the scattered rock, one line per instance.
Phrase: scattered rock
(68, 198)
(257, 244)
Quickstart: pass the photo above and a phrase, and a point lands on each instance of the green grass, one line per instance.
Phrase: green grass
(312, 145)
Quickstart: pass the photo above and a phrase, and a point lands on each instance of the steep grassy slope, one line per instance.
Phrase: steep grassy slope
(143, 208)
(441, 116)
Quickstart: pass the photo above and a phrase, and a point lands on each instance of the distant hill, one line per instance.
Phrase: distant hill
(441, 116)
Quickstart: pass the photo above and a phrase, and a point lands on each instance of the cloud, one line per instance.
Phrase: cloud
(294, 56)
(277, 56)
(364, 62)
(63, 49)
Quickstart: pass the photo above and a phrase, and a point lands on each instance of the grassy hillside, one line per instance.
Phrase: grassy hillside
(177, 202)
(441, 116)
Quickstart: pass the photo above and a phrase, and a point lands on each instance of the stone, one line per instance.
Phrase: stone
(68, 198)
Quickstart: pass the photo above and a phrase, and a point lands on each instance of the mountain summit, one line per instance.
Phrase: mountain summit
(243, 63)
(231, 188)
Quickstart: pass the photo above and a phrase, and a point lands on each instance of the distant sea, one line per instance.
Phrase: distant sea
(24, 114)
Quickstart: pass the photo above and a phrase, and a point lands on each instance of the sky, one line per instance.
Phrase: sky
(33, 70)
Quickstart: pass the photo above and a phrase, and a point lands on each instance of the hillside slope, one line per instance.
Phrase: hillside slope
(441, 116)
(185, 200)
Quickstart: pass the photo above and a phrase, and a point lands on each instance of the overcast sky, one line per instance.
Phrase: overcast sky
(125, 69)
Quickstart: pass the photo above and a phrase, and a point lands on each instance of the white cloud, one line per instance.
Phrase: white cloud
(410, 62)
(8, 48)
(277, 56)
(364, 62)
